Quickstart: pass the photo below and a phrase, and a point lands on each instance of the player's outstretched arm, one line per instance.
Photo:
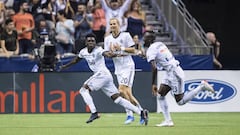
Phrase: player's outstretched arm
(109, 54)
(72, 62)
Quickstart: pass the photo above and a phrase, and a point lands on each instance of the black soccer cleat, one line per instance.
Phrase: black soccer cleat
(144, 117)
(93, 117)
(145, 112)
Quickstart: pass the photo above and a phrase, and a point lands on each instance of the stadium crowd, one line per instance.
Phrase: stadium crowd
(27, 24)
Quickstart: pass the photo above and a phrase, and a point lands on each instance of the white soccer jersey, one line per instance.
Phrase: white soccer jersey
(95, 59)
(174, 75)
(161, 54)
(124, 62)
(102, 78)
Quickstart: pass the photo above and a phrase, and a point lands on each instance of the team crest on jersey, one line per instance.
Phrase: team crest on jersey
(121, 41)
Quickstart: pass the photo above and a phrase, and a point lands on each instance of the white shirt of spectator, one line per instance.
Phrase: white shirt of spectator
(67, 32)
(118, 13)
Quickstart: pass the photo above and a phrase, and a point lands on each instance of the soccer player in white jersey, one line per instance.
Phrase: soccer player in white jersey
(101, 79)
(161, 58)
(119, 43)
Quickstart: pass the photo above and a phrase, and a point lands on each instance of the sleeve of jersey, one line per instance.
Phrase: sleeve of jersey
(106, 44)
(100, 50)
(129, 41)
(151, 54)
(80, 55)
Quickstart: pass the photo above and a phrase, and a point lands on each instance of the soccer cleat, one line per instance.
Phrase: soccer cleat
(129, 120)
(144, 117)
(93, 117)
(165, 123)
(207, 86)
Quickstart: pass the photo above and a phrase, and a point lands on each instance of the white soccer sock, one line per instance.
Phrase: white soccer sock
(164, 107)
(190, 95)
(127, 105)
(88, 99)
(139, 106)
(128, 112)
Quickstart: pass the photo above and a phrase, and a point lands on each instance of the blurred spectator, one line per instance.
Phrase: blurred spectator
(43, 26)
(1, 51)
(115, 9)
(9, 13)
(35, 8)
(8, 3)
(135, 19)
(61, 4)
(90, 5)
(5, 13)
(9, 42)
(83, 23)
(42, 29)
(16, 4)
(99, 22)
(2, 15)
(216, 49)
(85, 2)
(49, 10)
(69, 10)
(44, 9)
(139, 45)
(24, 24)
(74, 4)
(64, 33)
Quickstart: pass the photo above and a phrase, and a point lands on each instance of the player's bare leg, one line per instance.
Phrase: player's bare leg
(127, 92)
(133, 100)
(124, 93)
(127, 104)
(204, 85)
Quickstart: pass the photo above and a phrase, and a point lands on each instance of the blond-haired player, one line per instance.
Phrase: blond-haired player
(118, 43)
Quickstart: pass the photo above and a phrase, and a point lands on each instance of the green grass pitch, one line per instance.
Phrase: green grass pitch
(112, 124)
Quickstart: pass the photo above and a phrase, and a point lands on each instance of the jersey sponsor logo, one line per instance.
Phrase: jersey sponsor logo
(223, 91)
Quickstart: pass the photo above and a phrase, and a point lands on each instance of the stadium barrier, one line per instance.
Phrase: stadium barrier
(58, 93)
(226, 97)
(24, 64)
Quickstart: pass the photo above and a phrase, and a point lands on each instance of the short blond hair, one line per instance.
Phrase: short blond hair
(116, 20)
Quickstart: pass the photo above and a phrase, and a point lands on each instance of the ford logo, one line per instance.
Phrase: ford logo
(223, 92)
